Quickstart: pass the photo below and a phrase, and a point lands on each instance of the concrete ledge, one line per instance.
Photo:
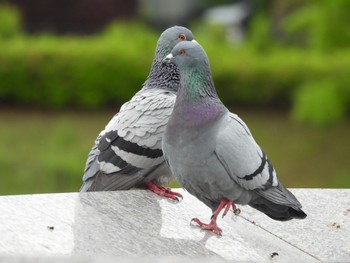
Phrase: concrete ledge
(139, 225)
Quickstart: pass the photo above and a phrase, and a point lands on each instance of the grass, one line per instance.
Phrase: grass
(43, 152)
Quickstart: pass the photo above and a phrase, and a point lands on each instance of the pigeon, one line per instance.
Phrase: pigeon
(212, 153)
(127, 153)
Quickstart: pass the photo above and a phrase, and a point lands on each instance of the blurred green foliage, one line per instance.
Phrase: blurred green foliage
(57, 72)
(296, 55)
(284, 70)
(10, 22)
(322, 24)
(319, 102)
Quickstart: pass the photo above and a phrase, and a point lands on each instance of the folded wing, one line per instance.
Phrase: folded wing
(130, 145)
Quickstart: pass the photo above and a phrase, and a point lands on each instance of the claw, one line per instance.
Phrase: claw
(163, 191)
(237, 211)
(193, 219)
(228, 204)
(168, 191)
(212, 226)
(180, 196)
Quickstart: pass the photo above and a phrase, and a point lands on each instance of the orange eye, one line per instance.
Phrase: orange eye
(182, 37)
(182, 52)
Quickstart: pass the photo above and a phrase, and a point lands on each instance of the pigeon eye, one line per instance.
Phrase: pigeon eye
(182, 37)
(182, 52)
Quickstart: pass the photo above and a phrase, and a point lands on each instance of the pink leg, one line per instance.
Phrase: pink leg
(163, 191)
(228, 205)
(212, 226)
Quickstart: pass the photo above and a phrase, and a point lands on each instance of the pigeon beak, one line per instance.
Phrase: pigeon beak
(194, 41)
(168, 58)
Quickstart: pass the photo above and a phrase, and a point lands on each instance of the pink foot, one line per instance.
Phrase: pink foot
(163, 191)
(212, 226)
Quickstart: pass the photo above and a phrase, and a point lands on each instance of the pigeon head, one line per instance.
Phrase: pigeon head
(193, 63)
(188, 54)
(162, 75)
(171, 37)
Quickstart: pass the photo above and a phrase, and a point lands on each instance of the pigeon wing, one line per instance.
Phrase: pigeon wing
(249, 166)
(132, 139)
(242, 157)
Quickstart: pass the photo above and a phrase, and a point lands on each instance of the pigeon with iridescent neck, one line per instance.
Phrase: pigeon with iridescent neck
(211, 151)
(127, 153)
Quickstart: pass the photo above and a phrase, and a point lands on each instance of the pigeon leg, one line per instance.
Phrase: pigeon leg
(230, 203)
(225, 203)
(163, 191)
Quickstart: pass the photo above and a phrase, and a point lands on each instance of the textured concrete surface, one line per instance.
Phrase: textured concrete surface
(137, 225)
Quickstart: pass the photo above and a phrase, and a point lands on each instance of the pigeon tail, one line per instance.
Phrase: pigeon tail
(276, 211)
(86, 185)
(278, 203)
(113, 182)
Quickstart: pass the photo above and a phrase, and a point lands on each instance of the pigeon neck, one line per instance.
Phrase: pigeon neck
(162, 75)
(196, 84)
(197, 103)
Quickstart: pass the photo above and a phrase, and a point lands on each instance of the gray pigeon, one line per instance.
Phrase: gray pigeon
(211, 151)
(128, 153)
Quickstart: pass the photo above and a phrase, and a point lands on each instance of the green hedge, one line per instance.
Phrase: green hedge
(104, 70)
(84, 72)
